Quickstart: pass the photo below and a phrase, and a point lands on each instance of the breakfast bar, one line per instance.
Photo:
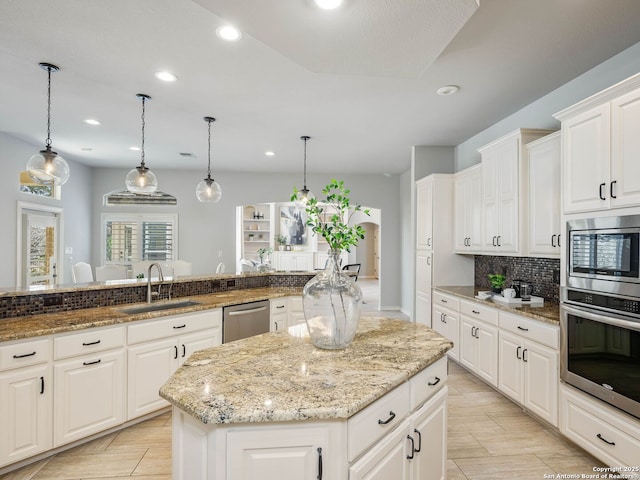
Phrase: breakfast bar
(275, 406)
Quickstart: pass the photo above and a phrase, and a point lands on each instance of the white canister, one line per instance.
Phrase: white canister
(509, 293)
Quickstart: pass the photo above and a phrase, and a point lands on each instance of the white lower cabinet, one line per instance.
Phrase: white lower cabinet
(279, 314)
(479, 348)
(25, 399)
(528, 373)
(284, 453)
(152, 360)
(89, 395)
(607, 433)
(402, 435)
(446, 321)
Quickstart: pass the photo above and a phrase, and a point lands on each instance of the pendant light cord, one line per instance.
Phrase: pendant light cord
(209, 152)
(48, 141)
(304, 189)
(144, 99)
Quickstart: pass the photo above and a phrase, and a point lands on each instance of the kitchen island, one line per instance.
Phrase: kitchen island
(274, 406)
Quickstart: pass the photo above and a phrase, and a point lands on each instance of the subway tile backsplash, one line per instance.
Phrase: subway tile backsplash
(543, 273)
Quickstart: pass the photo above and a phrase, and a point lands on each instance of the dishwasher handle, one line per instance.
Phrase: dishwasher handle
(246, 312)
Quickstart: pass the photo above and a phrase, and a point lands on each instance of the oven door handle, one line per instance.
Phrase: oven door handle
(604, 317)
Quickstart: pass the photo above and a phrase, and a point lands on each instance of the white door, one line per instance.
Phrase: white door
(624, 188)
(507, 187)
(541, 381)
(39, 255)
(510, 370)
(386, 460)
(487, 353)
(430, 436)
(468, 343)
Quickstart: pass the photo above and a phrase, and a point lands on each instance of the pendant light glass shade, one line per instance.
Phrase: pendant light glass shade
(304, 195)
(208, 190)
(141, 180)
(47, 167)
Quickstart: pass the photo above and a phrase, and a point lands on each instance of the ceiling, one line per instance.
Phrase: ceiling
(360, 80)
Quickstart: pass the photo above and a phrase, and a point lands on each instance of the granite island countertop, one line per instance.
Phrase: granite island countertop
(548, 313)
(18, 328)
(281, 376)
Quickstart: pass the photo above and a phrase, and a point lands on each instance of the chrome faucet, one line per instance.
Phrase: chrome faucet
(160, 278)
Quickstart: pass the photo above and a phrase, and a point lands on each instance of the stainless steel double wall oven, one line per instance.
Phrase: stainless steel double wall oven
(600, 311)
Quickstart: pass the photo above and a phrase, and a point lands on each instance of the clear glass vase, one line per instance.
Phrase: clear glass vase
(331, 302)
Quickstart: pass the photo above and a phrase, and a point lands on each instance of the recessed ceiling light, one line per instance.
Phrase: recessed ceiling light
(386, 174)
(135, 149)
(448, 90)
(229, 33)
(269, 153)
(92, 121)
(166, 76)
(328, 4)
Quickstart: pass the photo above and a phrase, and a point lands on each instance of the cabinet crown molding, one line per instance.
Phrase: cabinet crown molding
(604, 96)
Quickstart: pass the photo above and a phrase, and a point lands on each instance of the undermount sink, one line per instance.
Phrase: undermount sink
(154, 307)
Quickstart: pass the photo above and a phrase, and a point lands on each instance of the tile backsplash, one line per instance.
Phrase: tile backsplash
(543, 273)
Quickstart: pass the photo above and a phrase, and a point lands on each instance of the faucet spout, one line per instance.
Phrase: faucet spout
(160, 278)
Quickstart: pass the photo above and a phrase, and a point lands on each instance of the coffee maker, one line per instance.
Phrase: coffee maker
(523, 289)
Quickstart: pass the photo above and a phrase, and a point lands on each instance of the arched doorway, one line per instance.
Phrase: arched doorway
(367, 254)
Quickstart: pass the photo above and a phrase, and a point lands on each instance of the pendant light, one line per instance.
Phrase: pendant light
(47, 167)
(141, 180)
(208, 190)
(304, 195)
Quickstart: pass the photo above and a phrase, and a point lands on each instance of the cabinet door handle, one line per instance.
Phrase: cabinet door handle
(417, 450)
(25, 355)
(91, 363)
(276, 325)
(319, 463)
(472, 331)
(175, 356)
(611, 189)
(86, 344)
(553, 237)
(523, 329)
(477, 330)
(41, 385)
(391, 417)
(494, 241)
(428, 260)
(444, 318)
(413, 447)
(600, 191)
(177, 327)
(499, 244)
(429, 242)
(518, 353)
(559, 239)
(184, 350)
(434, 383)
(524, 355)
(605, 440)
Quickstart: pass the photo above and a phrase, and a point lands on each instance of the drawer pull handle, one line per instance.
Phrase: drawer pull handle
(391, 417)
(25, 355)
(319, 463)
(443, 300)
(41, 385)
(605, 440)
(176, 327)
(86, 344)
(413, 447)
(523, 329)
(476, 312)
(417, 450)
(91, 363)
(279, 306)
(434, 383)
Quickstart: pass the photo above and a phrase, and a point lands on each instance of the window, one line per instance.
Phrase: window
(130, 238)
(29, 185)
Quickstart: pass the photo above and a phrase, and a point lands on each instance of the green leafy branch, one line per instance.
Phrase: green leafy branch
(337, 232)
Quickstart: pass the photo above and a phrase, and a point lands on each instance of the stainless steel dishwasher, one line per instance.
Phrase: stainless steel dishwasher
(245, 320)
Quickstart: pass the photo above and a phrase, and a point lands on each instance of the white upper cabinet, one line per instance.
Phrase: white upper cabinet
(544, 196)
(468, 210)
(504, 191)
(424, 214)
(600, 150)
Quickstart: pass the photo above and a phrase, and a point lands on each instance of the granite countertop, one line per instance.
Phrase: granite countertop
(548, 313)
(18, 328)
(281, 376)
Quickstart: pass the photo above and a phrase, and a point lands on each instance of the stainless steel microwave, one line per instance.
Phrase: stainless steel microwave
(604, 254)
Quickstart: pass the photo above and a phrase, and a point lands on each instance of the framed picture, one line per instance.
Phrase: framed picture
(293, 224)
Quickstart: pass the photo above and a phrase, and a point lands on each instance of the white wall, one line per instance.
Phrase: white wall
(204, 230)
(76, 202)
(539, 114)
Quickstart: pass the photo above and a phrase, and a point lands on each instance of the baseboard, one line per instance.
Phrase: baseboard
(407, 313)
(384, 307)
